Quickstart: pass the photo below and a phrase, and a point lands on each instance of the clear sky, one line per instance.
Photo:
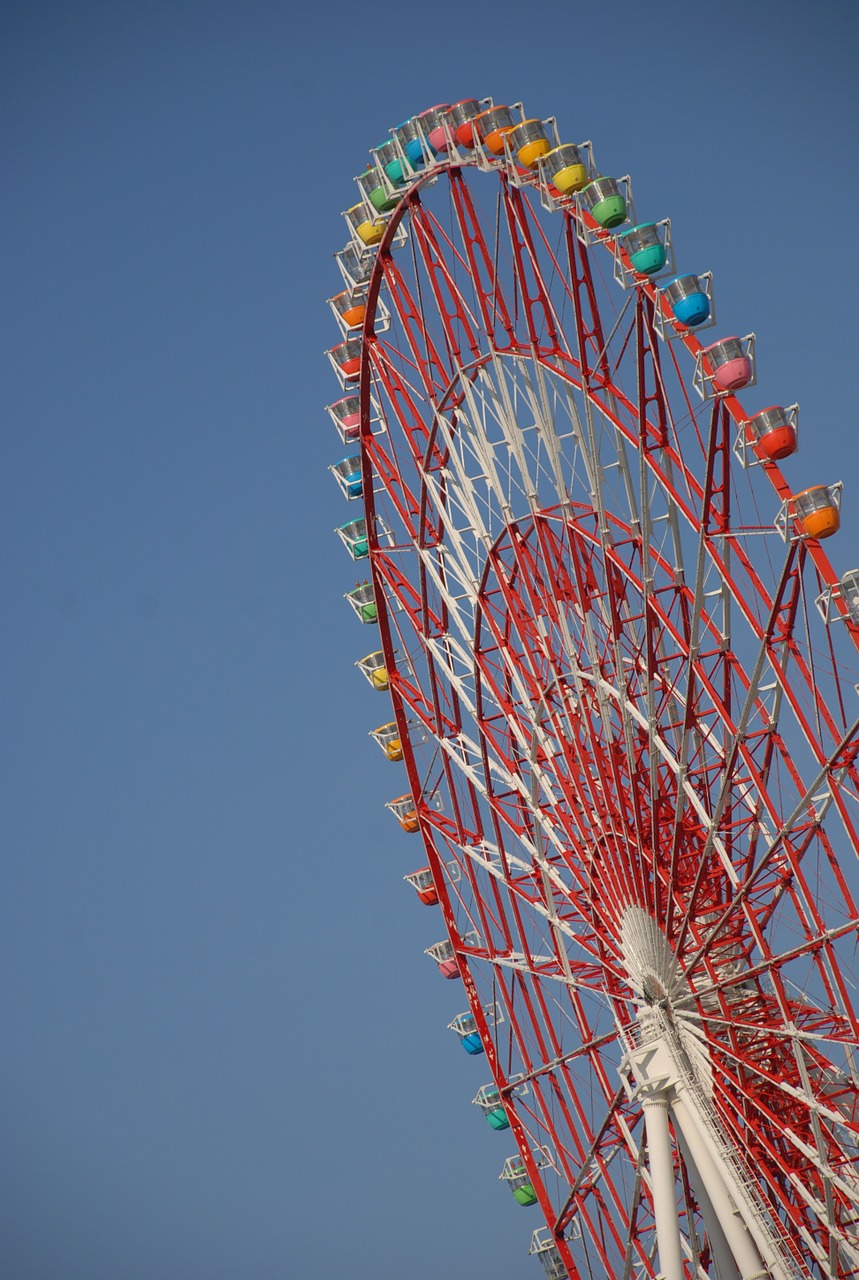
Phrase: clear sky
(224, 1051)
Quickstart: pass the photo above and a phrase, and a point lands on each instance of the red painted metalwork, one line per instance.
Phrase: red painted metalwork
(625, 717)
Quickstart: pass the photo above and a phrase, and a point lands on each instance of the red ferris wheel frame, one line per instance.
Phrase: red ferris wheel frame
(630, 756)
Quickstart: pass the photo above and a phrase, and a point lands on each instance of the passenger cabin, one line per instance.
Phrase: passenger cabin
(646, 248)
(459, 119)
(424, 886)
(356, 268)
(818, 510)
(688, 299)
(350, 307)
(373, 668)
(432, 126)
(347, 473)
(378, 189)
(409, 139)
(528, 140)
(605, 202)
(388, 738)
(491, 127)
(405, 811)
(545, 1250)
(346, 358)
(516, 1175)
(445, 958)
(363, 600)
(728, 364)
(465, 1026)
(492, 1105)
(564, 168)
(354, 538)
(848, 590)
(346, 415)
(391, 161)
(774, 432)
(368, 230)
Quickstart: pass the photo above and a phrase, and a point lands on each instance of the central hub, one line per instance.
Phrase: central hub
(653, 990)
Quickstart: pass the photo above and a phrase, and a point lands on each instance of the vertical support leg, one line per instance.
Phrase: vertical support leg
(655, 1108)
(726, 1268)
(740, 1242)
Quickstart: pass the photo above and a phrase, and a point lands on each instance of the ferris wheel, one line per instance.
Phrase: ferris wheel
(623, 678)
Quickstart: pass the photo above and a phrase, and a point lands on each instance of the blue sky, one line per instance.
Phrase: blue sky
(225, 1051)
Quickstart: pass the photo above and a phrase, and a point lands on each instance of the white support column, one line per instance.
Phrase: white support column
(740, 1242)
(726, 1268)
(655, 1106)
